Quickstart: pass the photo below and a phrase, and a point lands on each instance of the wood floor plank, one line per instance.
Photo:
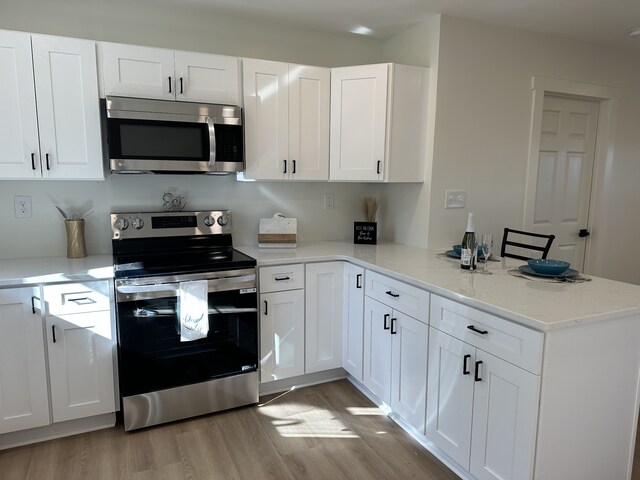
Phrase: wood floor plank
(205, 454)
(253, 455)
(312, 464)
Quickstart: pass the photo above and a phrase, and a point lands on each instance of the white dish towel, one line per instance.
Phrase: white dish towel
(194, 310)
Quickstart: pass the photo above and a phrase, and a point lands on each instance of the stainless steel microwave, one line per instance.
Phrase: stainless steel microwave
(159, 136)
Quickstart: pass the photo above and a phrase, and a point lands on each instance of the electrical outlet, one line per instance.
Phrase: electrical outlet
(455, 198)
(22, 206)
(329, 201)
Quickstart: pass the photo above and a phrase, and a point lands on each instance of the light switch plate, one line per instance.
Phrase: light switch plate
(455, 198)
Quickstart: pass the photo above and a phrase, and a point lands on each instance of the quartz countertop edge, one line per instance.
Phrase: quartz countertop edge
(21, 272)
(537, 305)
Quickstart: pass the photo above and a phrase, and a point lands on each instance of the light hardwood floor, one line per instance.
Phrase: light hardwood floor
(328, 431)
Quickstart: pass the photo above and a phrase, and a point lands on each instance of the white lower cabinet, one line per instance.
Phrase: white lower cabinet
(281, 322)
(24, 399)
(395, 360)
(323, 316)
(353, 320)
(80, 364)
(377, 349)
(80, 350)
(481, 410)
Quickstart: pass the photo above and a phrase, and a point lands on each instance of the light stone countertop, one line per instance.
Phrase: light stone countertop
(539, 305)
(33, 271)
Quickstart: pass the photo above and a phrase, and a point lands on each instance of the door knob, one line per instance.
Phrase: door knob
(583, 233)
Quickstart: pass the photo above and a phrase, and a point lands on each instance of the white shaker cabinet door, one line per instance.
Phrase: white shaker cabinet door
(323, 310)
(377, 349)
(450, 395)
(81, 364)
(134, 71)
(410, 343)
(281, 335)
(266, 117)
(68, 107)
(505, 414)
(358, 122)
(207, 78)
(309, 122)
(24, 399)
(353, 320)
(20, 151)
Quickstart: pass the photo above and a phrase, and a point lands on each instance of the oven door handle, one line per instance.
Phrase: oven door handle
(128, 289)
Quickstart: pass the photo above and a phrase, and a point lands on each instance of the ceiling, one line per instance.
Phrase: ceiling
(602, 22)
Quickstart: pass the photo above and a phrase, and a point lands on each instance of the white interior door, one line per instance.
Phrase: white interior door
(564, 173)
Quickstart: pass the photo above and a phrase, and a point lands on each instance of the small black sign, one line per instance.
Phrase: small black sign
(365, 232)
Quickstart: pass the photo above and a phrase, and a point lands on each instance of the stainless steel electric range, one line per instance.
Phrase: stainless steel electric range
(164, 377)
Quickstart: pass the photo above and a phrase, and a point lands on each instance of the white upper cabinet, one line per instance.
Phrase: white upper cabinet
(59, 76)
(286, 121)
(378, 123)
(68, 107)
(20, 152)
(162, 74)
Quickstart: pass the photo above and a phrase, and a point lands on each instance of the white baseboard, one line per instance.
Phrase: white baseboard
(56, 430)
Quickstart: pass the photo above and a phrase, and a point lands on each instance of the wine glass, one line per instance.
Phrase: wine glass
(486, 246)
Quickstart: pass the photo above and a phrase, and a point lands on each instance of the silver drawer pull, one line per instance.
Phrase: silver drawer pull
(82, 300)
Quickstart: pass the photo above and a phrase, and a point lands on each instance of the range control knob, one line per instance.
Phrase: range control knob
(209, 221)
(137, 223)
(223, 220)
(122, 224)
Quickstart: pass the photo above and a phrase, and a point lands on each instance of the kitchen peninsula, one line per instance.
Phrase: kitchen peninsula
(563, 403)
(559, 362)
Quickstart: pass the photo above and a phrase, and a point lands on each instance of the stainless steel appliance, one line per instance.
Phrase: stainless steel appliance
(159, 136)
(161, 377)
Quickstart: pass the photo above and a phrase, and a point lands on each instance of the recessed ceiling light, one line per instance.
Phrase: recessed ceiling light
(361, 30)
(634, 32)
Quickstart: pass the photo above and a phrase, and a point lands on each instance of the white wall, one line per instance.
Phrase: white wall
(482, 135)
(155, 23)
(43, 234)
(186, 26)
(404, 208)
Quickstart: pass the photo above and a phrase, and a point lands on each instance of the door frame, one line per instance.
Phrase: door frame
(608, 98)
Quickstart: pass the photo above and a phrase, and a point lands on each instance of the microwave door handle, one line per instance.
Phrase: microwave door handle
(212, 141)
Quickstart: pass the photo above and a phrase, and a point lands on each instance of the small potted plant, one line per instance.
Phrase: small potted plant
(367, 232)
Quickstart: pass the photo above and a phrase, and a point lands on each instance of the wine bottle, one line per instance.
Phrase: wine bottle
(469, 245)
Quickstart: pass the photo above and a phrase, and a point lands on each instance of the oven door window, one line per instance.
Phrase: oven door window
(158, 140)
(152, 357)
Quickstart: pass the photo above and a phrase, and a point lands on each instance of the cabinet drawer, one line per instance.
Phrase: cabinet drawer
(504, 339)
(285, 277)
(398, 295)
(70, 298)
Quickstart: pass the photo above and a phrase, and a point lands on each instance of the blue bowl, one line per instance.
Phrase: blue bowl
(548, 266)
